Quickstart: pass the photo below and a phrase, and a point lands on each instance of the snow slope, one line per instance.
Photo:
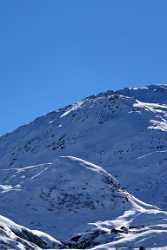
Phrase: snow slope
(138, 227)
(79, 203)
(125, 135)
(60, 198)
(124, 132)
(15, 237)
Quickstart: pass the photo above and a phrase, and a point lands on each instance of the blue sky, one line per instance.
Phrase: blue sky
(55, 52)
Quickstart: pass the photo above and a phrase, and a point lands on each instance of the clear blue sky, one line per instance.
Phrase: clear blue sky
(54, 52)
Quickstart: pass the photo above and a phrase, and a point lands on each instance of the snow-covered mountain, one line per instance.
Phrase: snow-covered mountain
(115, 130)
(15, 237)
(56, 173)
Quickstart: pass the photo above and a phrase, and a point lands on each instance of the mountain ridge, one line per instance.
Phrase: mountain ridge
(127, 90)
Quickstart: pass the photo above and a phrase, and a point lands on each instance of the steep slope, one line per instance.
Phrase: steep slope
(142, 226)
(62, 197)
(79, 203)
(15, 237)
(124, 131)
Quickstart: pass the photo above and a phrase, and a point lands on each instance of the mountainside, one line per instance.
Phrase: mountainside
(88, 210)
(57, 174)
(60, 197)
(15, 237)
(123, 134)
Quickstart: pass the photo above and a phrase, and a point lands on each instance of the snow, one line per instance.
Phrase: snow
(153, 107)
(142, 221)
(71, 169)
(160, 125)
(16, 237)
(5, 188)
(74, 107)
(69, 189)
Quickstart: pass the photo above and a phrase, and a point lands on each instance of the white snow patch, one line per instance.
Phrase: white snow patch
(74, 107)
(153, 107)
